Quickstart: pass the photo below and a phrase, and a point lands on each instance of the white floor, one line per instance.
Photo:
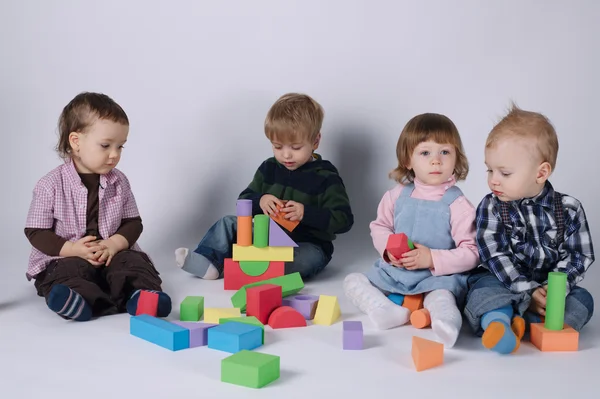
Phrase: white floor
(42, 355)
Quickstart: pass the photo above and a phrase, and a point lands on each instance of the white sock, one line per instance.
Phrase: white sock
(384, 313)
(180, 255)
(195, 264)
(446, 319)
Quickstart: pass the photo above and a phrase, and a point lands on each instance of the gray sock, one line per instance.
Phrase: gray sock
(196, 264)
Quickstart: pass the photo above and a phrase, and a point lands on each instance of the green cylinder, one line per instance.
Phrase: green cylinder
(261, 231)
(555, 301)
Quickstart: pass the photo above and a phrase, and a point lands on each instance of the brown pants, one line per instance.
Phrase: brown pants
(105, 289)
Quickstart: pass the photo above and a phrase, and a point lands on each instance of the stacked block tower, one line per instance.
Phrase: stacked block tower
(258, 255)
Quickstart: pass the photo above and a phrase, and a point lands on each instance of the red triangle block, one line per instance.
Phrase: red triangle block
(286, 317)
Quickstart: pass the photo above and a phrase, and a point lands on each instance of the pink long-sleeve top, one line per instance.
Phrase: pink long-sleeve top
(462, 221)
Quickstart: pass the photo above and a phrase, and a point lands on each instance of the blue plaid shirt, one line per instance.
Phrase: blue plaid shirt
(521, 256)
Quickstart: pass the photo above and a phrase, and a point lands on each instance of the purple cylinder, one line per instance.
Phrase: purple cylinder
(244, 207)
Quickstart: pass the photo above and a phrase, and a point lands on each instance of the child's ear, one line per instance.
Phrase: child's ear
(74, 141)
(317, 142)
(543, 173)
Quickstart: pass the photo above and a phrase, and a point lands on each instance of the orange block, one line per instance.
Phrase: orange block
(420, 318)
(413, 302)
(286, 224)
(426, 354)
(244, 231)
(565, 340)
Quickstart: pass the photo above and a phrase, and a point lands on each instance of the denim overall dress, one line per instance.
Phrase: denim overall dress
(427, 223)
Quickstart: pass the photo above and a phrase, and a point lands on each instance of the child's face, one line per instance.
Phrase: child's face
(294, 155)
(99, 149)
(513, 169)
(433, 163)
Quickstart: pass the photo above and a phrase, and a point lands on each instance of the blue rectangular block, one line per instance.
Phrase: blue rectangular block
(233, 337)
(159, 332)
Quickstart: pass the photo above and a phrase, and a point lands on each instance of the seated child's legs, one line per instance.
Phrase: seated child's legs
(446, 319)
(309, 260)
(71, 288)
(579, 308)
(129, 272)
(383, 313)
(207, 260)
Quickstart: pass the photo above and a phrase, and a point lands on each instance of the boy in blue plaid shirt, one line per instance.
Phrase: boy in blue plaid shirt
(525, 230)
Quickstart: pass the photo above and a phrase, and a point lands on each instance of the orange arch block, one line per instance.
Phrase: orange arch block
(286, 317)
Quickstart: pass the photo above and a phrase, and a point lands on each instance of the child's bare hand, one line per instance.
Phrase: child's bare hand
(86, 248)
(538, 301)
(294, 211)
(112, 246)
(418, 258)
(393, 260)
(268, 203)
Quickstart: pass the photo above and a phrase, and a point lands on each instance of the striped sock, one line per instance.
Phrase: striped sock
(68, 303)
(498, 335)
(164, 303)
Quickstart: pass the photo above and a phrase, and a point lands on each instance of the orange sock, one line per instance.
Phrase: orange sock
(518, 326)
(500, 338)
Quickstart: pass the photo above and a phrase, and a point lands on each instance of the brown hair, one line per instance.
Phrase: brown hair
(527, 125)
(81, 112)
(294, 117)
(425, 127)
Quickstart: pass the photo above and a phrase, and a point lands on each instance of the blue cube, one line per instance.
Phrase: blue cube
(159, 332)
(233, 337)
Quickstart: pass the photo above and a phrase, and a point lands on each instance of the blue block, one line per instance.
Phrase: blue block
(159, 332)
(398, 299)
(233, 337)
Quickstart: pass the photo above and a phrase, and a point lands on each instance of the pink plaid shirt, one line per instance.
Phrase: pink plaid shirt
(60, 202)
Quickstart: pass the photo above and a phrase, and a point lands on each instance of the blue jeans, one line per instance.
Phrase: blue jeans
(487, 293)
(216, 246)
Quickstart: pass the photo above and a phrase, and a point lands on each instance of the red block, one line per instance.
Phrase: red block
(262, 300)
(234, 277)
(398, 244)
(147, 303)
(286, 317)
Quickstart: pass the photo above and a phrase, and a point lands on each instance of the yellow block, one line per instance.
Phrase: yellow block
(213, 315)
(281, 254)
(328, 310)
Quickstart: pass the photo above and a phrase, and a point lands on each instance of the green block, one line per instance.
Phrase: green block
(248, 320)
(410, 244)
(254, 267)
(261, 231)
(555, 301)
(250, 369)
(290, 284)
(191, 308)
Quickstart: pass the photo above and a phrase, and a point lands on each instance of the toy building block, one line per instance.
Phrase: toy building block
(261, 231)
(213, 315)
(305, 304)
(233, 337)
(286, 317)
(420, 318)
(564, 340)
(284, 254)
(398, 244)
(198, 332)
(328, 310)
(290, 284)
(353, 335)
(147, 303)
(278, 237)
(244, 231)
(413, 302)
(248, 320)
(398, 299)
(236, 275)
(191, 308)
(262, 300)
(159, 332)
(426, 354)
(555, 301)
(243, 207)
(283, 222)
(250, 369)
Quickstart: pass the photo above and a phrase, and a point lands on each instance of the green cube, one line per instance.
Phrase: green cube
(250, 369)
(248, 320)
(191, 308)
(290, 284)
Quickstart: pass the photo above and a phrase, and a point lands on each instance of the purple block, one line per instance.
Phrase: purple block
(198, 331)
(244, 208)
(305, 304)
(353, 335)
(278, 237)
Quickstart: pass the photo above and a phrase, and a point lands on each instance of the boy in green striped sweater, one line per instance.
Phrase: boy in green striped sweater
(308, 188)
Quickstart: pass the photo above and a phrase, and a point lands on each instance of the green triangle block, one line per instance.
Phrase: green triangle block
(290, 284)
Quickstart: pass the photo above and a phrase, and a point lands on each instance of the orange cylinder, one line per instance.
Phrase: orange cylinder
(244, 231)
(420, 318)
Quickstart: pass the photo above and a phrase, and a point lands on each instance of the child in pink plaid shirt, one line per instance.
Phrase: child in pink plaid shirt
(83, 222)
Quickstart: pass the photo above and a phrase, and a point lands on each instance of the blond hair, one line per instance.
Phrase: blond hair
(426, 127)
(523, 124)
(294, 117)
